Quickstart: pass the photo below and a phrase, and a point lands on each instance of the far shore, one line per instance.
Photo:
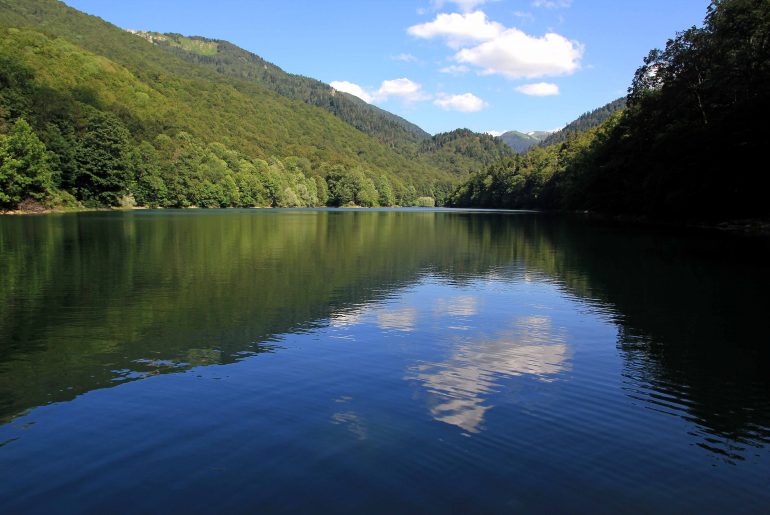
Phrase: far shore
(749, 225)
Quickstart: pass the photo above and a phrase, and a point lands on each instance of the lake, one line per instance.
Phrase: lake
(380, 361)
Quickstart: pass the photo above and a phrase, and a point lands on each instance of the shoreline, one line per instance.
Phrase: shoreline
(756, 226)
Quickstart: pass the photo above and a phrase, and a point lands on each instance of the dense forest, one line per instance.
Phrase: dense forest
(92, 115)
(521, 142)
(688, 145)
(584, 122)
(232, 61)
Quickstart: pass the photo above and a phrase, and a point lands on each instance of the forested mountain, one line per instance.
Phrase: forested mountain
(463, 150)
(521, 142)
(458, 152)
(584, 122)
(233, 61)
(92, 114)
(688, 145)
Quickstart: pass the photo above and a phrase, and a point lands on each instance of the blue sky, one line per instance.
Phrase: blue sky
(489, 65)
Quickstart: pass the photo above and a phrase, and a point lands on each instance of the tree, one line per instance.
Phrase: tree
(24, 166)
(103, 172)
(342, 189)
(387, 197)
(148, 187)
(366, 193)
(322, 190)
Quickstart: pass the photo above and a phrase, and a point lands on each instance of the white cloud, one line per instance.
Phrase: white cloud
(406, 58)
(539, 89)
(352, 88)
(517, 55)
(552, 4)
(495, 133)
(496, 49)
(465, 103)
(458, 28)
(455, 69)
(403, 89)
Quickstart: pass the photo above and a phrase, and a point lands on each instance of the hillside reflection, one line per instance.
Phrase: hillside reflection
(92, 300)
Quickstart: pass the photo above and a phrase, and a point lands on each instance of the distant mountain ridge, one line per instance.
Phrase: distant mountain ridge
(521, 142)
(584, 122)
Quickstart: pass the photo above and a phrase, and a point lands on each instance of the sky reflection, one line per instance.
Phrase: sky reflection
(460, 387)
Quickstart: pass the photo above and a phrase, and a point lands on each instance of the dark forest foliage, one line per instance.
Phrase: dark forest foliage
(585, 122)
(689, 144)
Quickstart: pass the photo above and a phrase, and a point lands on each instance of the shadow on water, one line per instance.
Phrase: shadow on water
(93, 300)
(690, 309)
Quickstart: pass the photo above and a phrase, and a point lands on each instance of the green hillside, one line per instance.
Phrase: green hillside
(458, 152)
(462, 151)
(584, 122)
(521, 142)
(123, 120)
(233, 61)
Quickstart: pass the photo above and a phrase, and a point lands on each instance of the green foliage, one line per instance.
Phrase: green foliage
(386, 195)
(102, 155)
(521, 142)
(425, 202)
(15, 89)
(24, 166)
(352, 188)
(148, 187)
(584, 122)
(232, 61)
(456, 152)
(687, 145)
(168, 120)
(80, 64)
(543, 178)
(462, 151)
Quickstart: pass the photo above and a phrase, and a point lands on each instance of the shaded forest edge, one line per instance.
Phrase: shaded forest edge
(687, 147)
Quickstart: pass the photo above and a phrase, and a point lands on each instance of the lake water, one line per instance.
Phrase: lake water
(380, 361)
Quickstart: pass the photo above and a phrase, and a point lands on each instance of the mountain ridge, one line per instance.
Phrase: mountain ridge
(468, 152)
(520, 141)
(77, 78)
(230, 60)
(586, 121)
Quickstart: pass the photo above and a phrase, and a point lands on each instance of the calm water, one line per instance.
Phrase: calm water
(380, 361)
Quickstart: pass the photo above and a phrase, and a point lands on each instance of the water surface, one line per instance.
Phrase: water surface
(380, 361)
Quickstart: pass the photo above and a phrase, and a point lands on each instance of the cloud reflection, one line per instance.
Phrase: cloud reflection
(463, 305)
(459, 388)
(402, 319)
(352, 422)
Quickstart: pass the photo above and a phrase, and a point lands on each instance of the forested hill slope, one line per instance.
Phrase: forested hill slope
(462, 151)
(277, 127)
(689, 145)
(90, 111)
(584, 122)
(233, 61)
(457, 152)
(521, 142)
